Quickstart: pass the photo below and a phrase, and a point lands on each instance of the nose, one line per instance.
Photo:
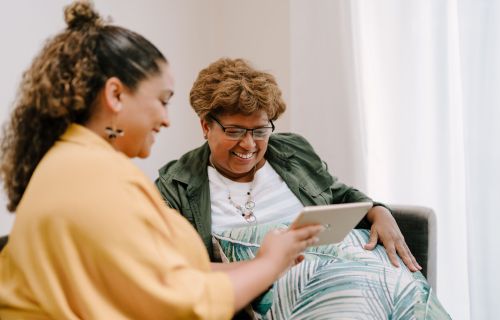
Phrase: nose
(165, 121)
(247, 141)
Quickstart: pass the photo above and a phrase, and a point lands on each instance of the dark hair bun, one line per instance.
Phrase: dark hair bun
(81, 14)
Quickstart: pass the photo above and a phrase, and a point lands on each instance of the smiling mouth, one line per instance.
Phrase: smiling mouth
(244, 155)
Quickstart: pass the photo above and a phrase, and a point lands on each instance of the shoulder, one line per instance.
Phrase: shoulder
(89, 191)
(177, 176)
(287, 137)
(290, 144)
(192, 163)
(293, 151)
(73, 161)
(290, 140)
(75, 178)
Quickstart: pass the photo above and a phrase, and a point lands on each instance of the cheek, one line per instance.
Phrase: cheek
(220, 149)
(161, 112)
(218, 144)
(262, 147)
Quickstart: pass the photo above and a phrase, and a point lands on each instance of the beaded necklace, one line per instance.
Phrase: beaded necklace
(245, 211)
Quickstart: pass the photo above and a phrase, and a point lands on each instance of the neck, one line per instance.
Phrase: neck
(245, 177)
(95, 124)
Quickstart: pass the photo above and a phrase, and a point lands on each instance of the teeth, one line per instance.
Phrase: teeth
(244, 155)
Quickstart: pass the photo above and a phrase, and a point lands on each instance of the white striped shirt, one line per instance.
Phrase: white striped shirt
(274, 201)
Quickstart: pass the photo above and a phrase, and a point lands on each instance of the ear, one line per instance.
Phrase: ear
(113, 88)
(205, 126)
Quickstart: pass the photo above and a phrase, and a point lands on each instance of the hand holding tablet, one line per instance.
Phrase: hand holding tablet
(338, 219)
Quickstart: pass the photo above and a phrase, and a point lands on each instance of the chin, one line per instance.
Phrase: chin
(242, 169)
(143, 154)
(145, 150)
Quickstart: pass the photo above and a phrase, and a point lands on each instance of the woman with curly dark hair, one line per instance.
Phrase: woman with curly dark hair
(92, 237)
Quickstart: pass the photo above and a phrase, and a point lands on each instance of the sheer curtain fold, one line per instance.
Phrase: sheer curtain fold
(479, 23)
(424, 82)
(410, 81)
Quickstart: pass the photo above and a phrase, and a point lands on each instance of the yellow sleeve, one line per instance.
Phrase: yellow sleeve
(118, 255)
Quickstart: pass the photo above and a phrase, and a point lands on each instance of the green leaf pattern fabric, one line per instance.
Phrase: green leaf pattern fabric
(338, 281)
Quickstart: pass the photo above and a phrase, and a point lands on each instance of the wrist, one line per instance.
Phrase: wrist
(268, 263)
(376, 212)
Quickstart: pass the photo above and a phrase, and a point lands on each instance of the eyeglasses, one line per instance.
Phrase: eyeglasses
(237, 133)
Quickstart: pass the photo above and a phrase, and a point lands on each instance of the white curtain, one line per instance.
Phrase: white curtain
(479, 23)
(420, 84)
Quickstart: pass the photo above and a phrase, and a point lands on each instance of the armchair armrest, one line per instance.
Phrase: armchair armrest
(418, 225)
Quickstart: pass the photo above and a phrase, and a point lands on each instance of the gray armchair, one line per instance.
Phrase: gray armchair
(418, 225)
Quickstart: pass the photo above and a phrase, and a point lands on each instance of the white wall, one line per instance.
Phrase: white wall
(20, 41)
(191, 33)
(324, 103)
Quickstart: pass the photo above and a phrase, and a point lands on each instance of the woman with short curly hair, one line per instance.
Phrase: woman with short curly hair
(246, 180)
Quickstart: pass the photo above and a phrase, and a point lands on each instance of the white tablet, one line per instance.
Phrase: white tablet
(338, 219)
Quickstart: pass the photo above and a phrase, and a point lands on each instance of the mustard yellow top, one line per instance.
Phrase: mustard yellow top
(94, 240)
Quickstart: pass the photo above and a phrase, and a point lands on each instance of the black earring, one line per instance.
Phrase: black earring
(113, 133)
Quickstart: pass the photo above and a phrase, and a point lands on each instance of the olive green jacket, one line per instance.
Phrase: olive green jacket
(184, 183)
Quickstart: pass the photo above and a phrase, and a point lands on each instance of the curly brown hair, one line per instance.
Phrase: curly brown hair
(61, 85)
(233, 86)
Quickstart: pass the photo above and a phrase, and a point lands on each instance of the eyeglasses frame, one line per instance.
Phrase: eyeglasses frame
(243, 136)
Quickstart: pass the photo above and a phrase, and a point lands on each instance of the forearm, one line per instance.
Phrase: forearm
(249, 278)
(223, 267)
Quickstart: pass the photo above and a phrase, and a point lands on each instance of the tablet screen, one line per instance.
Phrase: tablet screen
(338, 219)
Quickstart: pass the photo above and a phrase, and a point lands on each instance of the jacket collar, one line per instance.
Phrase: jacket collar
(192, 168)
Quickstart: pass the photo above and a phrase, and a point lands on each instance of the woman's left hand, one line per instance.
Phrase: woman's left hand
(385, 230)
